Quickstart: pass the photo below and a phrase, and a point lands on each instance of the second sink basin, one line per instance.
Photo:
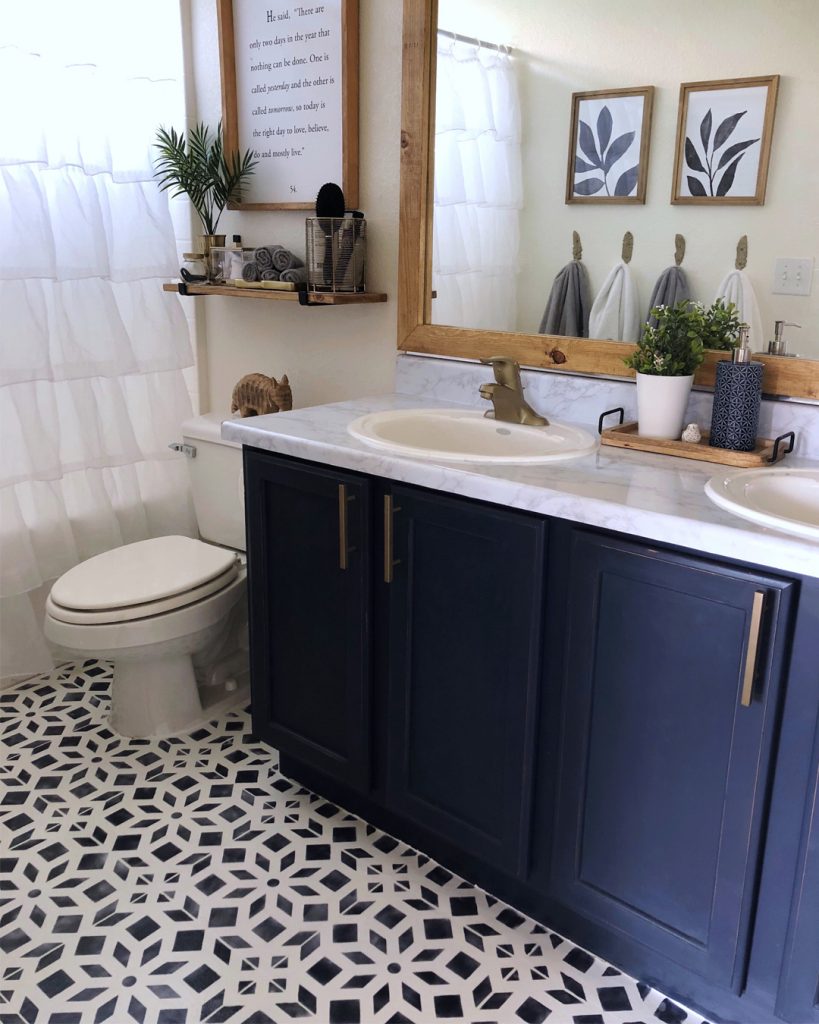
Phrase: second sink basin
(466, 435)
(785, 499)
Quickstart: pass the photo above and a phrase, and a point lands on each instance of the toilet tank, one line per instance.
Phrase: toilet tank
(217, 482)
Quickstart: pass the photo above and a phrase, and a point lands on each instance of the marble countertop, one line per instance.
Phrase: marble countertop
(656, 497)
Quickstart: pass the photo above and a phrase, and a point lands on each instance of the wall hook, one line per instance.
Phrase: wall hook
(628, 247)
(577, 248)
(742, 253)
(679, 249)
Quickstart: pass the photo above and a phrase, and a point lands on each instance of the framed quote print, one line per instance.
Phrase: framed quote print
(608, 146)
(724, 132)
(290, 94)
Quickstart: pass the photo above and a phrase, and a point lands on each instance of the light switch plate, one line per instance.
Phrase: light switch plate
(793, 275)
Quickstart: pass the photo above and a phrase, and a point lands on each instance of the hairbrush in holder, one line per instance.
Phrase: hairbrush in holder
(335, 244)
(329, 208)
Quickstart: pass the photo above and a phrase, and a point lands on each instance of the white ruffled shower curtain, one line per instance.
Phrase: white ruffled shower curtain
(478, 187)
(91, 350)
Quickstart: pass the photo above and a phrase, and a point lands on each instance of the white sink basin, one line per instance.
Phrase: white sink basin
(465, 435)
(785, 499)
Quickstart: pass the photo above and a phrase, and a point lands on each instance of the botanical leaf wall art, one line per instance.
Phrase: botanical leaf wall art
(718, 177)
(724, 141)
(608, 146)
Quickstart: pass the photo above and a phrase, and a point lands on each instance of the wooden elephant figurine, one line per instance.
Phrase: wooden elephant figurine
(257, 394)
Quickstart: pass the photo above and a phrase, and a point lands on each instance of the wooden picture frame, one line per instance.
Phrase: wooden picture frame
(722, 154)
(307, 64)
(608, 129)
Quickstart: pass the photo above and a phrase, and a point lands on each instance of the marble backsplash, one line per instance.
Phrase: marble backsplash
(582, 399)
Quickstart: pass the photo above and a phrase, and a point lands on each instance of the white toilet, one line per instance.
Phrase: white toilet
(170, 612)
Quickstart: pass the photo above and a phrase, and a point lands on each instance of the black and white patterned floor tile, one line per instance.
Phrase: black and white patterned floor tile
(185, 880)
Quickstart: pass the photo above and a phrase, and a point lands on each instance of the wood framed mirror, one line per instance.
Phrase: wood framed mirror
(783, 376)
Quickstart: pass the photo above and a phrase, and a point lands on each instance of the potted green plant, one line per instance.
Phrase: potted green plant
(198, 167)
(718, 325)
(665, 360)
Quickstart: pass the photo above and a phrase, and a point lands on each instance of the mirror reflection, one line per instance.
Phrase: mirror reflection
(502, 227)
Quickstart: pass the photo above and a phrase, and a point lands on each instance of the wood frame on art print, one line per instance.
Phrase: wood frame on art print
(609, 141)
(795, 377)
(724, 132)
(289, 77)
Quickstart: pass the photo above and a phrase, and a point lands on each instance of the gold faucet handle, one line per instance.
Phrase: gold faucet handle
(507, 371)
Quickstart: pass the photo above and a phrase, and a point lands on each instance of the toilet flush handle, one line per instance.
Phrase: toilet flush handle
(186, 449)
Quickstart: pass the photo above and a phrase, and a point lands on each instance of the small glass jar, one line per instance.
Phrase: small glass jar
(219, 264)
(238, 256)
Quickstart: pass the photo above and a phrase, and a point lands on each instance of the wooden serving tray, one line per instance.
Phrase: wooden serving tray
(626, 436)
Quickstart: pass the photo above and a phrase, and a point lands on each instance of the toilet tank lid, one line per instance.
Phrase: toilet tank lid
(147, 570)
(208, 428)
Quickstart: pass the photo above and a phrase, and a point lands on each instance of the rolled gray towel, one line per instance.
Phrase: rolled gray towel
(250, 272)
(269, 275)
(264, 256)
(283, 259)
(296, 275)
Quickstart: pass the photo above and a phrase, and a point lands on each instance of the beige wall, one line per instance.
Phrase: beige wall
(596, 45)
(329, 353)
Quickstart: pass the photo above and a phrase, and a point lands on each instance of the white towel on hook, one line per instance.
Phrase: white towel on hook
(737, 288)
(615, 312)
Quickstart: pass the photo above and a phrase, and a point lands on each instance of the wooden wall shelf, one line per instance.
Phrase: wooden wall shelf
(305, 298)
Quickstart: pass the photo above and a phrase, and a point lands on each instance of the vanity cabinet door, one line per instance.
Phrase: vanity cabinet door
(465, 608)
(799, 984)
(309, 591)
(665, 748)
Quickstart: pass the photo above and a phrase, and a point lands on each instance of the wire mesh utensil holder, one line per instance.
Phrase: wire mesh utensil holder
(336, 254)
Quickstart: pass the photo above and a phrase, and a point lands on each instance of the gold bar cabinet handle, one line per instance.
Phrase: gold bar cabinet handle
(753, 647)
(343, 551)
(389, 561)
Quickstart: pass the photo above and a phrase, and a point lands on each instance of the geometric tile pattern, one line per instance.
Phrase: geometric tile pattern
(185, 880)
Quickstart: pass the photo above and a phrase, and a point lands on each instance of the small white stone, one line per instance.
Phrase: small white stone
(692, 433)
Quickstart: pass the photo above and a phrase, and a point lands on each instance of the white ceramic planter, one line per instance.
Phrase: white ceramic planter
(661, 405)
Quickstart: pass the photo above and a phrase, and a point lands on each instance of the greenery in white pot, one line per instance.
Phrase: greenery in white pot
(665, 360)
(674, 347)
(199, 167)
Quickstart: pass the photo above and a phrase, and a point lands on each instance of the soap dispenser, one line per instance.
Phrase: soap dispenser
(737, 398)
(778, 347)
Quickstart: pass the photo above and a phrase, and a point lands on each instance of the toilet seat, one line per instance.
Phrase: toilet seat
(140, 580)
(111, 639)
(128, 613)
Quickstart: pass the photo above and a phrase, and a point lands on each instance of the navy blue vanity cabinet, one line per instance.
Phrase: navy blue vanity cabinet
(465, 585)
(310, 593)
(669, 708)
(616, 737)
(799, 983)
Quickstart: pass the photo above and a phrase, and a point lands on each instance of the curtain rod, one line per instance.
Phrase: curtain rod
(500, 47)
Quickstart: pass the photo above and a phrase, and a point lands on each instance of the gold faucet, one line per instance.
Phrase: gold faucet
(506, 395)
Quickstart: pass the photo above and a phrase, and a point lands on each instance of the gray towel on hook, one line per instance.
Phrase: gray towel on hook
(567, 310)
(671, 288)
